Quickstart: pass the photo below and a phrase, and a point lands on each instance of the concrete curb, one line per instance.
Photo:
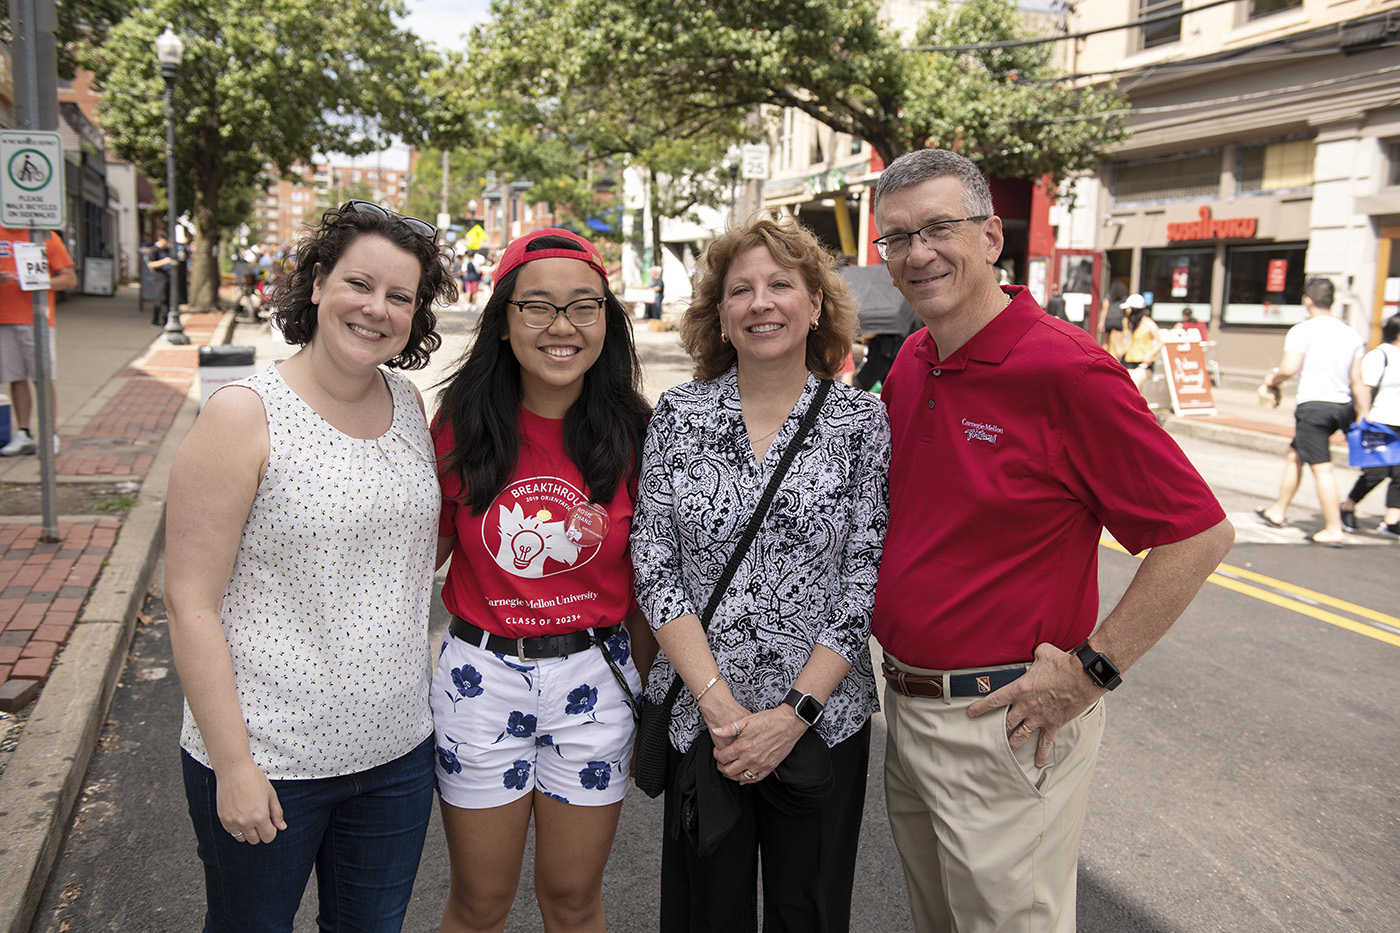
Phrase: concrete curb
(45, 773)
(1240, 437)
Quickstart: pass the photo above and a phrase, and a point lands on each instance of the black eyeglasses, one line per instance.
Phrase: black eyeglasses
(897, 245)
(541, 314)
(420, 227)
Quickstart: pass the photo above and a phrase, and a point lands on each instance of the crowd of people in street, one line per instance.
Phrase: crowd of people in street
(717, 565)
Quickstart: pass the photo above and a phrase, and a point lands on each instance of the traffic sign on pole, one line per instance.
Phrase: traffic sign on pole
(31, 180)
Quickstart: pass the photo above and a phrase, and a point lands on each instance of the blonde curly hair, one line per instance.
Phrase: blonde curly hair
(794, 247)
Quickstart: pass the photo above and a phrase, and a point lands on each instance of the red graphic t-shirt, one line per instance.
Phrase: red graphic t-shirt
(516, 570)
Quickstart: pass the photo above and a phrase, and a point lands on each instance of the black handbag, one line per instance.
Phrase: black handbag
(653, 740)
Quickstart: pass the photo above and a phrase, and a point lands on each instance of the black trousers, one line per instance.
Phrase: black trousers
(809, 862)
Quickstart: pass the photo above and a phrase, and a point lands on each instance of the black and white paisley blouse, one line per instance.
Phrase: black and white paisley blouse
(809, 576)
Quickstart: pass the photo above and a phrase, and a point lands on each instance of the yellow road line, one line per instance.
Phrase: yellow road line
(1285, 602)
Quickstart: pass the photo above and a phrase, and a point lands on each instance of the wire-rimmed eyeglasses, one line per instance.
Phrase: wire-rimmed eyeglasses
(896, 246)
(420, 227)
(541, 314)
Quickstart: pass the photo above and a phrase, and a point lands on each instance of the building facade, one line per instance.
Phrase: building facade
(1265, 149)
(299, 198)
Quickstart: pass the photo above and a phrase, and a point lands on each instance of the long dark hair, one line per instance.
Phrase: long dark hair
(603, 428)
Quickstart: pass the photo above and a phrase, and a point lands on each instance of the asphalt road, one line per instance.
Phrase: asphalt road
(1246, 780)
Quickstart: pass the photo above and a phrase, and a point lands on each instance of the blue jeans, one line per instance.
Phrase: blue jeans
(362, 832)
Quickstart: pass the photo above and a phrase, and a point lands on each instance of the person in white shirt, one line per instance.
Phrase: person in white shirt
(1379, 401)
(1325, 354)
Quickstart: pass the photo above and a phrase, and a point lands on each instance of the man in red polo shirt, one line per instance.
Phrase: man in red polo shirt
(1016, 440)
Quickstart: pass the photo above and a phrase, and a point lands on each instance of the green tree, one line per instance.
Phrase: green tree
(261, 86)
(541, 111)
(684, 69)
(466, 180)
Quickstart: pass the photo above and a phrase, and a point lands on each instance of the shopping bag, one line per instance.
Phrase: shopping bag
(1372, 444)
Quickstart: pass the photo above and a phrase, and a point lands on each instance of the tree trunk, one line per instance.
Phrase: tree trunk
(204, 252)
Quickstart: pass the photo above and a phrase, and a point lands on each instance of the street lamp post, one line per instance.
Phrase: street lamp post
(169, 51)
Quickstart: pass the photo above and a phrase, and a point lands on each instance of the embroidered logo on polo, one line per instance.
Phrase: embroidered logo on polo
(984, 684)
(532, 528)
(982, 431)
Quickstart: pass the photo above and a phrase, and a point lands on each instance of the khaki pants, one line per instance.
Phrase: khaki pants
(989, 842)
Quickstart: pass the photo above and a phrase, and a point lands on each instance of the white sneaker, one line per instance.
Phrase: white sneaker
(20, 443)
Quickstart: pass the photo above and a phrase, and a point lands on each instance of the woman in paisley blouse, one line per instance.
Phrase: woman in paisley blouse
(787, 649)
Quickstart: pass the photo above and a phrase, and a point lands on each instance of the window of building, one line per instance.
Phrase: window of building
(785, 138)
(1392, 153)
(1275, 166)
(856, 143)
(1177, 279)
(817, 152)
(1191, 176)
(1264, 284)
(1258, 8)
(1162, 31)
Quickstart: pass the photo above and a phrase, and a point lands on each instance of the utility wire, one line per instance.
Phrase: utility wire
(1043, 40)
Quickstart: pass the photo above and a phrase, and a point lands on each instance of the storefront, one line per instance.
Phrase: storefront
(1237, 263)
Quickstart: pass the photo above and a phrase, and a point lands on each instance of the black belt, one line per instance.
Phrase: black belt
(531, 649)
(974, 684)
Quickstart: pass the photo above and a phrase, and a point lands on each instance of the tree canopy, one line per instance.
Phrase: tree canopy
(261, 86)
(626, 75)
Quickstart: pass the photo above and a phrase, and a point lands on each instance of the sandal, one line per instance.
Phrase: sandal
(1266, 519)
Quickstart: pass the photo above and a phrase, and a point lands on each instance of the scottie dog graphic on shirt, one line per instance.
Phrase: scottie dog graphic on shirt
(533, 529)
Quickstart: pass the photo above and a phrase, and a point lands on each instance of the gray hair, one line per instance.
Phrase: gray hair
(916, 167)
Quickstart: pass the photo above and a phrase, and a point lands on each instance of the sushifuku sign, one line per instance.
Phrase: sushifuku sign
(1212, 228)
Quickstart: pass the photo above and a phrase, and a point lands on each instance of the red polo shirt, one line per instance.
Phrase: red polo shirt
(1008, 458)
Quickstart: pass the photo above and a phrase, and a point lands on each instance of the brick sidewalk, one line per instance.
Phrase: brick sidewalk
(43, 585)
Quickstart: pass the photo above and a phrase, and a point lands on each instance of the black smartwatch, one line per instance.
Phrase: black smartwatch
(1100, 669)
(808, 708)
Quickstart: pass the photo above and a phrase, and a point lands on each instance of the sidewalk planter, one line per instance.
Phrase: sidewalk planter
(220, 365)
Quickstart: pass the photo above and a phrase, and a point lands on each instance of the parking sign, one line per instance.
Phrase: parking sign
(31, 180)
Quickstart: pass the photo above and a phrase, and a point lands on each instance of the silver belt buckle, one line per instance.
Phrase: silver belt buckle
(520, 650)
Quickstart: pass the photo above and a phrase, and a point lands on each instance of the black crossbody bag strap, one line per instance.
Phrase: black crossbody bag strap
(751, 530)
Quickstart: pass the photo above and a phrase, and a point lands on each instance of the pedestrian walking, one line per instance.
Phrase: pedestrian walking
(771, 731)
(300, 539)
(658, 293)
(539, 441)
(17, 362)
(1325, 354)
(995, 671)
(1379, 401)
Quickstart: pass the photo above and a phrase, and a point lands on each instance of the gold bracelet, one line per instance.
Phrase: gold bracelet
(706, 689)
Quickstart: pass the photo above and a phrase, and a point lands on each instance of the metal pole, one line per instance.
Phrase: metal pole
(26, 54)
(174, 329)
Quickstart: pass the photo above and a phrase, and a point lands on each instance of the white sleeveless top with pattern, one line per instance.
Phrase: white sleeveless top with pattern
(326, 614)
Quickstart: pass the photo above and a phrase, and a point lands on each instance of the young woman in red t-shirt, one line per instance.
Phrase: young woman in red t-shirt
(539, 439)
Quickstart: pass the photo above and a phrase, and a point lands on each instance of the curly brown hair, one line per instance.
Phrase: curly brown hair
(326, 242)
(794, 247)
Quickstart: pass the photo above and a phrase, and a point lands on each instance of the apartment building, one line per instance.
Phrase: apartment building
(289, 203)
(1265, 149)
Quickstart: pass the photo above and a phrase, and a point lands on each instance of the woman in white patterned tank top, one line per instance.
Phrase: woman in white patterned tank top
(300, 539)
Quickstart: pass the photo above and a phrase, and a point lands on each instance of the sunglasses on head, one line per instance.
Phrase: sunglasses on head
(420, 227)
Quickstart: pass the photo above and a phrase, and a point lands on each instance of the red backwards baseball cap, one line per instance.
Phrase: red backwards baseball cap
(516, 255)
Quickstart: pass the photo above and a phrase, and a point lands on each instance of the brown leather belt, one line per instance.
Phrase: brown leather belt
(972, 684)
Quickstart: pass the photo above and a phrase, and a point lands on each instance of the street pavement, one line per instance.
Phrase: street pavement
(1207, 815)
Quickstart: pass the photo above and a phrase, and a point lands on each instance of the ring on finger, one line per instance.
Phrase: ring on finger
(236, 835)
(750, 775)
(736, 729)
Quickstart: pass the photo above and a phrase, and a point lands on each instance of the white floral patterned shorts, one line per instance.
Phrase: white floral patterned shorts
(504, 728)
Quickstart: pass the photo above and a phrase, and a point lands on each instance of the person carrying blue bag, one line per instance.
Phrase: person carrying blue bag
(1378, 414)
